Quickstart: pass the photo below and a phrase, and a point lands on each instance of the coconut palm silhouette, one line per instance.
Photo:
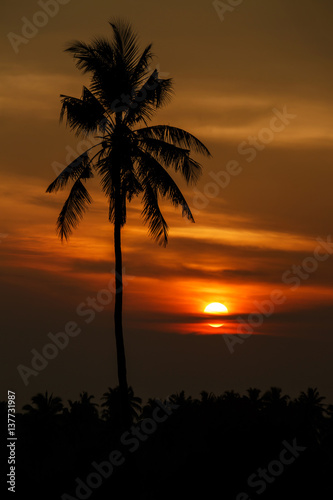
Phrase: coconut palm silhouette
(44, 406)
(273, 398)
(130, 157)
(207, 398)
(253, 394)
(112, 406)
(84, 408)
(254, 398)
(313, 410)
(313, 401)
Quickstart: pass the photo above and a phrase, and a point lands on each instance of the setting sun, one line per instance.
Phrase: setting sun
(216, 307)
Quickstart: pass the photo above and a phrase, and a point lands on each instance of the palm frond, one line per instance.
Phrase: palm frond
(176, 136)
(73, 171)
(170, 155)
(108, 79)
(125, 44)
(144, 101)
(73, 209)
(130, 185)
(141, 68)
(87, 58)
(149, 167)
(107, 167)
(152, 215)
(85, 115)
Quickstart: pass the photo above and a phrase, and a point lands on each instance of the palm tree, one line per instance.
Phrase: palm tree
(276, 407)
(129, 156)
(274, 399)
(207, 398)
(313, 409)
(180, 399)
(254, 398)
(84, 408)
(44, 405)
(45, 415)
(312, 399)
(230, 396)
(113, 406)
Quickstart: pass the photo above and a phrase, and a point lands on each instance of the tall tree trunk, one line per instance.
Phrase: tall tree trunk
(118, 307)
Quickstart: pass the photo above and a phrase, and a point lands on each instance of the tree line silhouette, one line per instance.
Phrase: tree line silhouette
(210, 443)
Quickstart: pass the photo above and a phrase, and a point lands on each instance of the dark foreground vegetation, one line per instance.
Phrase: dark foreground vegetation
(231, 446)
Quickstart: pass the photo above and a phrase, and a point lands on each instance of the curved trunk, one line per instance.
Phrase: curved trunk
(118, 307)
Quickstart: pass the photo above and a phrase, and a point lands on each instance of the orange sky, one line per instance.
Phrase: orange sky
(256, 89)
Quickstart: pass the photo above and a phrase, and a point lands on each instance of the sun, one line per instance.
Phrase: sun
(215, 308)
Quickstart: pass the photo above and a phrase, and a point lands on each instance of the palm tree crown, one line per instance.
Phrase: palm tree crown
(44, 405)
(130, 159)
(112, 404)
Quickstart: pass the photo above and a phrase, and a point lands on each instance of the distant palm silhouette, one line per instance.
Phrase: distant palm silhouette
(230, 396)
(254, 398)
(207, 398)
(84, 408)
(275, 404)
(130, 160)
(44, 405)
(313, 400)
(274, 399)
(253, 394)
(179, 398)
(113, 405)
(313, 409)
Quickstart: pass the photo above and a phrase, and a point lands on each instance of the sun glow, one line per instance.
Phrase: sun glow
(216, 308)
